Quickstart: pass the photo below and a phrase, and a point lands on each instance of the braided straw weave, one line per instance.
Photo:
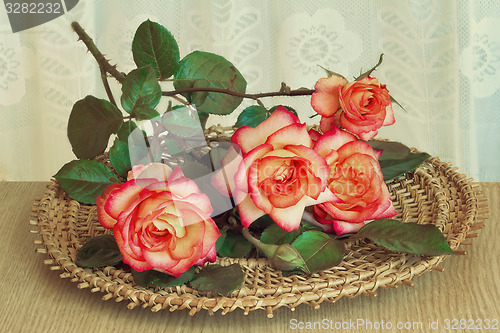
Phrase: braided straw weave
(434, 193)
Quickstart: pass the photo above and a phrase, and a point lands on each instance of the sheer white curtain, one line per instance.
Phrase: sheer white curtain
(442, 63)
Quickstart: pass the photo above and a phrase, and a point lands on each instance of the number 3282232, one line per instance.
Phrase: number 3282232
(33, 8)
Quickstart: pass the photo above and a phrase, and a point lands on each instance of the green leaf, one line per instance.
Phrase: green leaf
(120, 157)
(140, 89)
(394, 168)
(396, 158)
(203, 118)
(84, 180)
(154, 45)
(126, 128)
(319, 250)
(91, 123)
(262, 223)
(413, 238)
(99, 251)
(220, 279)
(216, 72)
(199, 97)
(255, 114)
(182, 122)
(138, 146)
(391, 150)
(162, 280)
(289, 108)
(306, 226)
(252, 116)
(275, 235)
(220, 240)
(234, 245)
(145, 113)
(194, 168)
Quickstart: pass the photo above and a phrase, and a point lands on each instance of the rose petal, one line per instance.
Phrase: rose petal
(288, 218)
(105, 220)
(247, 138)
(315, 135)
(241, 176)
(327, 124)
(346, 213)
(211, 256)
(319, 169)
(158, 171)
(181, 267)
(139, 264)
(121, 199)
(223, 180)
(192, 239)
(163, 261)
(294, 134)
(284, 201)
(325, 100)
(360, 126)
(370, 81)
(389, 116)
(199, 202)
(386, 208)
(357, 148)
(258, 196)
(332, 140)
(209, 238)
(368, 135)
(341, 227)
(248, 211)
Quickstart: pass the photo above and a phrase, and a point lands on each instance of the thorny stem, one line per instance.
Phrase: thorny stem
(104, 78)
(297, 92)
(99, 57)
(119, 76)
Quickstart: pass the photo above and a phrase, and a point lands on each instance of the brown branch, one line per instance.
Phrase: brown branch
(106, 67)
(99, 57)
(104, 77)
(297, 92)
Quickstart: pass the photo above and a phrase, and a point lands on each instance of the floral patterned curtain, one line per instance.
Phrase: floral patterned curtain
(441, 62)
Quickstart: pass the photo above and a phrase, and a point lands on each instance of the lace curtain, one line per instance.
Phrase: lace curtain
(441, 62)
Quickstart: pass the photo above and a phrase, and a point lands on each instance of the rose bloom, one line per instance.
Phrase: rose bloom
(361, 107)
(160, 220)
(356, 179)
(278, 173)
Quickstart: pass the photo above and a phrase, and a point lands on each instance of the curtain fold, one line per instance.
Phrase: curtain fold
(441, 62)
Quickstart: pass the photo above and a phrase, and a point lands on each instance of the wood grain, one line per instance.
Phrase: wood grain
(36, 299)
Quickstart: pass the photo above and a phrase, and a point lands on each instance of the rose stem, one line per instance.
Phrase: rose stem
(119, 76)
(99, 57)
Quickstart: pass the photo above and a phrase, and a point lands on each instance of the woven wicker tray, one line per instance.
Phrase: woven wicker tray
(434, 193)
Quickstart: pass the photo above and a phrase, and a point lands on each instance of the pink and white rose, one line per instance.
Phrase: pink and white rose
(160, 220)
(356, 179)
(361, 107)
(279, 173)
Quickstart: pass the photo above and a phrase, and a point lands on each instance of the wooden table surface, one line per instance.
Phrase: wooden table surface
(35, 299)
